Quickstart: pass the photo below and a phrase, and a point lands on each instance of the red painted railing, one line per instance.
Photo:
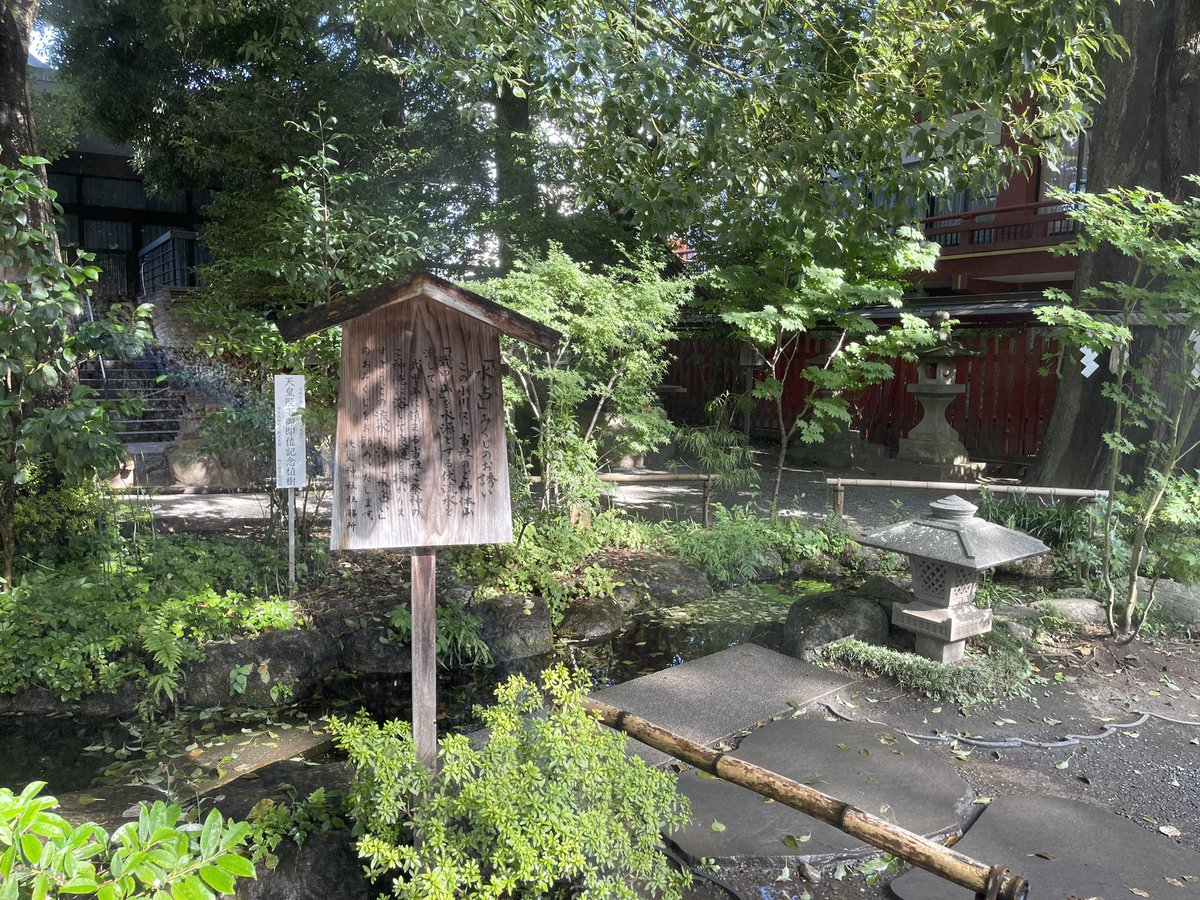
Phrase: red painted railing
(1003, 227)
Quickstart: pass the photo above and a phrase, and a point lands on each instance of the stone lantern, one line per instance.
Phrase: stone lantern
(946, 551)
(933, 443)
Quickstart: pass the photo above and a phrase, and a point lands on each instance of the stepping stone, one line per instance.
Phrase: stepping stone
(230, 757)
(860, 764)
(713, 697)
(1066, 849)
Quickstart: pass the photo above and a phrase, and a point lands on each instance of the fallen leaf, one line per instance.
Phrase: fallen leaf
(1169, 831)
(1139, 892)
(717, 826)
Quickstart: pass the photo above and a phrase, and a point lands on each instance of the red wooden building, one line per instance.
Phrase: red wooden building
(995, 263)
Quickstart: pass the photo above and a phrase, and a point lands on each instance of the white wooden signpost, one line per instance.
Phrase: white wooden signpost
(291, 470)
(420, 456)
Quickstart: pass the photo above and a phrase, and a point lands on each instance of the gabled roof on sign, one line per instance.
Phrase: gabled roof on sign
(418, 285)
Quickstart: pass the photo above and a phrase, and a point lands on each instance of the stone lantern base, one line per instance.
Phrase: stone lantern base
(942, 632)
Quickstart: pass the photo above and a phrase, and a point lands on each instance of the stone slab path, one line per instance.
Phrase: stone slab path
(716, 696)
(856, 763)
(1067, 850)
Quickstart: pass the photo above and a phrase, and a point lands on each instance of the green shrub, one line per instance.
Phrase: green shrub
(549, 559)
(736, 547)
(1000, 668)
(43, 855)
(1058, 523)
(550, 804)
(459, 634)
(62, 524)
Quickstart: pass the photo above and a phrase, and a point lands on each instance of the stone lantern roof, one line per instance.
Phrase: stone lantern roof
(952, 534)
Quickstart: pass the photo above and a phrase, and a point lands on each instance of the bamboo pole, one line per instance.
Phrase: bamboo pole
(839, 483)
(990, 882)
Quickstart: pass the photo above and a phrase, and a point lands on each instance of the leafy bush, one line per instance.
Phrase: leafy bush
(736, 547)
(1001, 669)
(1058, 523)
(138, 614)
(62, 524)
(551, 802)
(549, 559)
(43, 855)
(459, 634)
(592, 399)
(271, 823)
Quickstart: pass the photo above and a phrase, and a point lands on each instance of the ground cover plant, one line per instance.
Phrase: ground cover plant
(549, 806)
(91, 607)
(998, 667)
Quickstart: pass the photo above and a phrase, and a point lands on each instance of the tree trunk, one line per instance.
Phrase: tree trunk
(1146, 133)
(516, 183)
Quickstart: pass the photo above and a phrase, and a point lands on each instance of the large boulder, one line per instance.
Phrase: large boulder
(1179, 601)
(283, 665)
(884, 591)
(819, 619)
(1076, 610)
(652, 580)
(375, 649)
(592, 619)
(514, 626)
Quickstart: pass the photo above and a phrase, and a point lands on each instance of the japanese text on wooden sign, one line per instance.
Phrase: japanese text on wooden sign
(290, 468)
(421, 457)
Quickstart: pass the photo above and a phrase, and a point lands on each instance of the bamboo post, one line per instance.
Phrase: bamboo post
(424, 655)
(839, 499)
(708, 492)
(990, 882)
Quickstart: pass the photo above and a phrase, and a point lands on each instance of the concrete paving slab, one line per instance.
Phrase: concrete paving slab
(713, 697)
(857, 763)
(1067, 850)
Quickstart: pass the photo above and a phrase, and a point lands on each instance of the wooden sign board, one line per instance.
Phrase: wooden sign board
(421, 459)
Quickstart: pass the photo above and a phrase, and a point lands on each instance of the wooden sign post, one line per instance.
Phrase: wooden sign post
(420, 454)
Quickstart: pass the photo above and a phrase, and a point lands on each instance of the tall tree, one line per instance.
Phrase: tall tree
(1147, 134)
(17, 136)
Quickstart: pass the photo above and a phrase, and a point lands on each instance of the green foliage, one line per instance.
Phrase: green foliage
(591, 400)
(159, 856)
(137, 612)
(272, 823)
(1154, 388)
(1057, 523)
(998, 668)
(737, 546)
(1174, 537)
(550, 558)
(64, 524)
(550, 806)
(781, 295)
(47, 420)
(459, 640)
(718, 448)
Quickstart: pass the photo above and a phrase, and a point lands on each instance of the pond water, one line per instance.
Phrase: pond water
(70, 755)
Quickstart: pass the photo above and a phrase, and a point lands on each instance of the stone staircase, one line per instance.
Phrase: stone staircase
(148, 431)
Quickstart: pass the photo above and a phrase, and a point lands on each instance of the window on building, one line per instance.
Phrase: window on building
(1067, 167)
(101, 235)
(117, 192)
